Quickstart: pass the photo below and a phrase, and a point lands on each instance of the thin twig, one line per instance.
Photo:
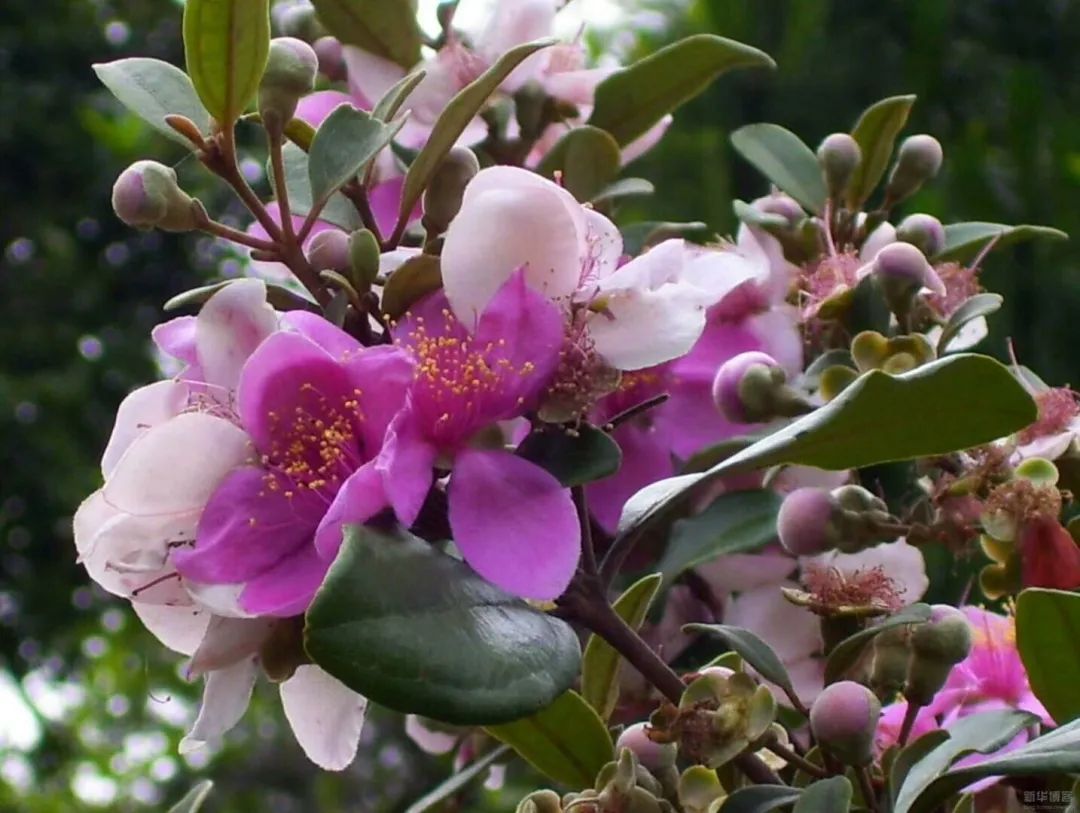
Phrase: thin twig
(866, 785)
(910, 716)
(802, 763)
(206, 224)
(635, 410)
(277, 161)
(588, 552)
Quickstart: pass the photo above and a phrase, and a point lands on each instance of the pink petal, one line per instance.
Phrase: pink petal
(514, 523)
(646, 459)
(232, 323)
(515, 22)
(286, 589)
(129, 556)
(381, 377)
(748, 571)
(646, 141)
(792, 632)
(901, 562)
(429, 740)
(143, 409)
(361, 497)
(406, 462)
(326, 717)
(385, 202)
(315, 107)
(370, 76)
(176, 338)
(326, 335)
(579, 87)
(225, 699)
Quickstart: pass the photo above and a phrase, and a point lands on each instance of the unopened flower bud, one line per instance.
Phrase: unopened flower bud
(299, 20)
(651, 754)
(363, 259)
(925, 232)
(918, 160)
(289, 76)
(751, 387)
(889, 664)
(780, 204)
(329, 250)
(147, 196)
(839, 156)
(331, 58)
(442, 198)
(541, 801)
(844, 719)
(936, 647)
(902, 271)
(807, 522)
(856, 498)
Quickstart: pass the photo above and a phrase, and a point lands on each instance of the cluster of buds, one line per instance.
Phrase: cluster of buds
(624, 786)
(752, 388)
(915, 659)
(849, 518)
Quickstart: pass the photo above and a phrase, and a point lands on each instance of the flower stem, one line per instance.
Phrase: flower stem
(909, 723)
(866, 786)
(277, 160)
(792, 758)
(588, 550)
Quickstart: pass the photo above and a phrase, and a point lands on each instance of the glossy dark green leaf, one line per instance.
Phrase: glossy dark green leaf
(152, 90)
(588, 160)
(879, 418)
(624, 188)
(751, 649)
(632, 100)
(338, 210)
(971, 308)
(963, 241)
(982, 733)
(419, 632)
(601, 664)
(1048, 637)
(760, 799)
(226, 43)
(753, 216)
(832, 795)
(414, 278)
(876, 132)
(848, 652)
(387, 107)
(280, 297)
(640, 236)
(387, 28)
(346, 141)
(456, 116)
(736, 522)
(567, 741)
(784, 159)
(458, 782)
(193, 800)
(575, 458)
(909, 756)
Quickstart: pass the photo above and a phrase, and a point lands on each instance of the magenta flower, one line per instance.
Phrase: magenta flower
(512, 521)
(316, 405)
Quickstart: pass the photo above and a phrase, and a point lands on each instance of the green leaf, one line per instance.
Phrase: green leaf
(339, 210)
(387, 107)
(632, 100)
(588, 158)
(194, 798)
(752, 216)
(909, 756)
(640, 236)
(784, 159)
(567, 741)
(455, 118)
(983, 733)
(760, 799)
(575, 458)
(1048, 637)
(414, 278)
(387, 28)
(847, 653)
(879, 418)
(419, 632)
(832, 795)
(281, 298)
(876, 132)
(601, 664)
(624, 188)
(971, 308)
(733, 523)
(963, 241)
(751, 649)
(458, 781)
(226, 43)
(152, 90)
(346, 141)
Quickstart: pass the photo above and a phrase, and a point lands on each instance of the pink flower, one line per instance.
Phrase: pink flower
(512, 521)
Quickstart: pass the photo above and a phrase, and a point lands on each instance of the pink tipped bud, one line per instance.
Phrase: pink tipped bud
(925, 232)
(808, 522)
(844, 720)
(329, 250)
(902, 270)
(839, 156)
(780, 204)
(917, 161)
(331, 58)
(652, 755)
(743, 387)
(147, 196)
(289, 76)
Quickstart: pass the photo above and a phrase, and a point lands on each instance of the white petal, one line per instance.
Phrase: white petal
(221, 599)
(228, 640)
(325, 716)
(639, 329)
(429, 740)
(180, 628)
(792, 632)
(231, 324)
(143, 409)
(901, 562)
(370, 76)
(93, 514)
(718, 273)
(176, 466)
(746, 571)
(661, 264)
(225, 699)
(605, 246)
(511, 218)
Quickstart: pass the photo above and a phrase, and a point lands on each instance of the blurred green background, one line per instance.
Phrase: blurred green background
(91, 707)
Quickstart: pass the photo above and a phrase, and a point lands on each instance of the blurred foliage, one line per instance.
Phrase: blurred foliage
(79, 293)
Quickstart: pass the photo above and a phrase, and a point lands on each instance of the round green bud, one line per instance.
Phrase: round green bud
(148, 196)
(289, 76)
(442, 198)
(839, 156)
(917, 161)
(925, 232)
(844, 719)
(541, 801)
(807, 523)
(364, 259)
(889, 662)
(936, 647)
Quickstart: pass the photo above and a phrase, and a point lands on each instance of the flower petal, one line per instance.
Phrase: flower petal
(792, 632)
(901, 562)
(642, 328)
(326, 716)
(325, 334)
(361, 497)
(179, 627)
(142, 410)
(370, 76)
(315, 107)
(646, 459)
(225, 699)
(406, 463)
(286, 589)
(381, 377)
(228, 641)
(232, 323)
(514, 523)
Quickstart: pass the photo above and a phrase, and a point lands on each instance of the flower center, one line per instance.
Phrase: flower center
(1057, 408)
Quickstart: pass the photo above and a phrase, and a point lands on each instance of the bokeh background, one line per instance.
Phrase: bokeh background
(91, 708)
